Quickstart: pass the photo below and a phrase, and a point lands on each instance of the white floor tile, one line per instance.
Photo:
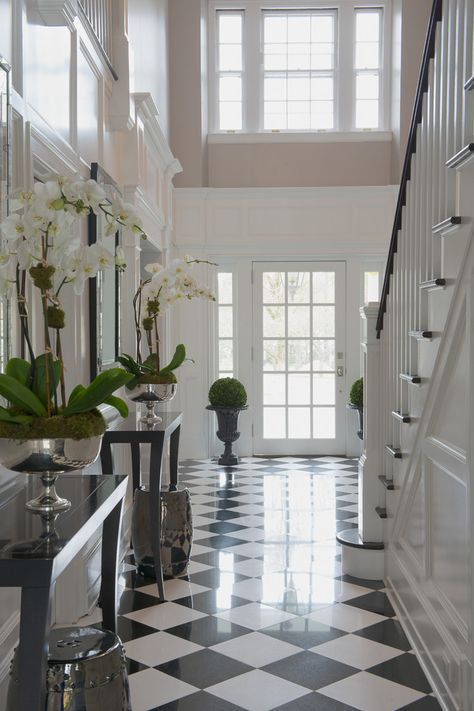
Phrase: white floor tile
(151, 688)
(256, 649)
(252, 550)
(198, 534)
(195, 567)
(175, 589)
(158, 648)
(345, 617)
(249, 534)
(257, 691)
(255, 616)
(164, 616)
(368, 692)
(356, 651)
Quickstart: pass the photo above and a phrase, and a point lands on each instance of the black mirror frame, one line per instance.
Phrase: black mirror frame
(95, 332)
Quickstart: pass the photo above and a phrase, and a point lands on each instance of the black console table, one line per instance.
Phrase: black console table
(133, 432)
(34, 553)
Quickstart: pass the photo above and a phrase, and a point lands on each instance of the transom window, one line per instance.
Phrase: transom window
(306, 69)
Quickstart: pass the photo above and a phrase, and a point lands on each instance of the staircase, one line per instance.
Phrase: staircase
(418, 466)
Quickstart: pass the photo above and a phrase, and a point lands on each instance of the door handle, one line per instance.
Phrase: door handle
(340, 371)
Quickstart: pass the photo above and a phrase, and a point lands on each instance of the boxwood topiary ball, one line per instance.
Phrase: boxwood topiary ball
(357, 393)
(227, 392)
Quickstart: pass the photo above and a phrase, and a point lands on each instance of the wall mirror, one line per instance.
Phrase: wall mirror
(104, 290)
(5, 188)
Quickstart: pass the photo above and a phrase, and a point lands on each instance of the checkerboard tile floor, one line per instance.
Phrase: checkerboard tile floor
(265, 620)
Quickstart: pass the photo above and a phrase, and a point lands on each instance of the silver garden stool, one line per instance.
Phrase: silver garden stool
(86, 672)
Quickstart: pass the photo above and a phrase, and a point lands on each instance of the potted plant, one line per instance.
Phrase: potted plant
(43, 429)
(356, 402)
(151, 382)
(228, 398)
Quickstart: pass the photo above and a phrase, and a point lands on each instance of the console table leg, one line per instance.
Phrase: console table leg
(110, 562)
(32, 653)
(156, 458)
(174, 448)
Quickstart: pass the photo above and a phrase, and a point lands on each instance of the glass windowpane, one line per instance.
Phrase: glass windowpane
(299, 389)
(224, 288)
(299, 28)
(322, 28)
(274, 423)
(230, 115)
(230, 58)
(323, 355)
(275, 28)
(275, 89)
(230, 89)
(367, 86)
(324, 389)
(274, 355)
(226, 350)
(274, 389)
(367, 114)
(324, 422)
(298, 321)
(324, 287)
(230, 28)
(367, 26)
(323, 321)
(299, 423)
(371, 287)
(367, 55)
(273, 321)
(298, 355)
(274, 287)
(225, 322)
(298, 287)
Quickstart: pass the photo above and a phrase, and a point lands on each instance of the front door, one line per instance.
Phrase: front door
(298, 358)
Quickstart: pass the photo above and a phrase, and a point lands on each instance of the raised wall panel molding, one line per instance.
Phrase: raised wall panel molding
(147, 110)
(55, 13)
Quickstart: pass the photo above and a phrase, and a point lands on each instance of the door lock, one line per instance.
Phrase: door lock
(340, 371)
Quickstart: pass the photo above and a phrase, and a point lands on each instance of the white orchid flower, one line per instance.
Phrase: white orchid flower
(120, 261)
(104, 258)
(177, 266)
(92, 194)
(124, 213)
(14, 227)
(154, 268)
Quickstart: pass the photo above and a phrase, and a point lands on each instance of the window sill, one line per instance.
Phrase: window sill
(301, 137)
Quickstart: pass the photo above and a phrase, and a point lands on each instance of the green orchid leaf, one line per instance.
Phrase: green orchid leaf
(129, 363)
(19, 395)
(119, 405)
(177, 360)
(46, 365)
(98, 391)
(19, 369)
(75, 393)
(133, 382)
(6, 416)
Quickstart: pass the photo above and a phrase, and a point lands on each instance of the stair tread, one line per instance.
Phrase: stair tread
(394, 451)
(388, 483)
(381, 511)
(405, 418)
(433, 283)
(411, 378)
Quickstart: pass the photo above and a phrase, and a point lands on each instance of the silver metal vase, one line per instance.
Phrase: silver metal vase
(150, 394)
(48, 458)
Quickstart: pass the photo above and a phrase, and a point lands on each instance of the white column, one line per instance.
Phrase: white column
(370, 464)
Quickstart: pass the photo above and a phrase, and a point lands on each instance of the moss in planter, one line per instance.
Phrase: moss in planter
(168, 379)
(227, 392)
(82, 426)
(356, 396)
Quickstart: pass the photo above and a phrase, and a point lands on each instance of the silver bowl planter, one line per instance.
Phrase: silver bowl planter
(150, 394)
(48, 458)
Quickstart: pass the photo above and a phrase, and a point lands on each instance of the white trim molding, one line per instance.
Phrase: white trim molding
(368, 136)
(55, 13)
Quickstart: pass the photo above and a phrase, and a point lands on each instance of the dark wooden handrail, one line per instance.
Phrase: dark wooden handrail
(422, 87)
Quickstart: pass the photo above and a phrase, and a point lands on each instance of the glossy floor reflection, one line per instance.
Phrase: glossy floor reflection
(264, 620)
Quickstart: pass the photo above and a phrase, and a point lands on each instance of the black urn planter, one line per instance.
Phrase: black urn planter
(360, 412)
(227, 423)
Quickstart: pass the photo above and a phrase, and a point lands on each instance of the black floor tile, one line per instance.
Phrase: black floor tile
(221, 527)
(303, 632)
(208, 631)
(133, 666)
(212, 601)
(204, 668)
(427, 703)
(218, 542)
(315, 702)
(133, 600)
(215, 557)
(405, 670)
(128, 629)
(376, 601)
(374, 584)
(214, 578)
(389, 632)
(201, 701)
(310, 670)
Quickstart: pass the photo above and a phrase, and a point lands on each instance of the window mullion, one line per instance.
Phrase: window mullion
(253, 81)
(345, 68)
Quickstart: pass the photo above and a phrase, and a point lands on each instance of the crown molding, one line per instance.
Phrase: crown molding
(54, 13)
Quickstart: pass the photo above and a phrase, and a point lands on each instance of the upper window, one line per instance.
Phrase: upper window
(306, 69)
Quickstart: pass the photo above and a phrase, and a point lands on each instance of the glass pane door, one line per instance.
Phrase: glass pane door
(299, 316)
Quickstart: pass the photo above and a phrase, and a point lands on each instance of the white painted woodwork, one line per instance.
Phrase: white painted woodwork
(428, 533)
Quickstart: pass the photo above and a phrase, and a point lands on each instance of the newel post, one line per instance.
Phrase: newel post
(370, 525)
